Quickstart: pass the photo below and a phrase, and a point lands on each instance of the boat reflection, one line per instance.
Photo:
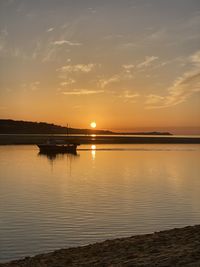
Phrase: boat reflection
(55, 156)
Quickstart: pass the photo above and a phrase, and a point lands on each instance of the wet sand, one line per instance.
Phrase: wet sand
(176, 247)
(28, 139)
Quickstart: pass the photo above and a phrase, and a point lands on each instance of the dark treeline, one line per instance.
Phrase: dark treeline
(26, 127)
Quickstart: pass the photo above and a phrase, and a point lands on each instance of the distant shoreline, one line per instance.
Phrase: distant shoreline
(176, 247)
(31, 139)
(8, 126)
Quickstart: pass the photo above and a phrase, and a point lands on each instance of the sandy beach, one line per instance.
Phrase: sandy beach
(176, 247)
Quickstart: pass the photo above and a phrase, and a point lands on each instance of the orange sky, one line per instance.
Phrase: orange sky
(129, 66)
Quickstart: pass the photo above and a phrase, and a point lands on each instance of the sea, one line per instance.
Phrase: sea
(103, 192)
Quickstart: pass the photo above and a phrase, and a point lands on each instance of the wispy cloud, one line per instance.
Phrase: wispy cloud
(124, 75)
(182, 89)
(65, 42)
(128, 68)
(3, 40)
(195, 58)
(34, 85)
(51, 53)
(82, 92)
(128, 72)
(77, 68)
(130, 95)
(158, 35)
(68, 81)
(92, 10)
(48, 52)
(104, 82)
(127, 96)
(50, 29)
(153, 100)
(147, 62)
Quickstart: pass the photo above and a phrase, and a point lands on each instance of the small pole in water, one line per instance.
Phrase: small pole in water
(67, 130)
(67, 133)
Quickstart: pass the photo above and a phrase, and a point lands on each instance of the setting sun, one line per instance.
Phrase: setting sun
(93, 124)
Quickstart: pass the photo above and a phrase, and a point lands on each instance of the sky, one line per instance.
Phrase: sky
(129, 65)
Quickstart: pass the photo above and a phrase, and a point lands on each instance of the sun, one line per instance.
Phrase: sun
(93, 124)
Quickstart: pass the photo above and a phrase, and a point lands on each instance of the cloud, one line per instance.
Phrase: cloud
(154, 99)
(68, 81)
(195, 58)
(77, 68)
(183, 88)
(147, 62)
(130, 95)
(124, 75)
(3, 41)
(62, 42)
(47, 52)
(50, 29)
(83, 92)
(127, 96)
(128, 67)
(92, 10)
(34, 86)
(158, 35)
(104, 82)
(2, 45)
(52, 54)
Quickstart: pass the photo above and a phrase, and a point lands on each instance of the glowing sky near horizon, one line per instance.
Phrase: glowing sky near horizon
(128, 65)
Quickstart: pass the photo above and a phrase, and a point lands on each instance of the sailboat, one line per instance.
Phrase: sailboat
(51, 147)
(57, 148)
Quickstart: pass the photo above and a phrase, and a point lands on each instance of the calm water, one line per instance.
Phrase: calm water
(113, 191)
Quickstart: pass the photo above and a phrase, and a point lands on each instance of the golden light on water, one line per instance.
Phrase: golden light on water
(93, 124)
(93, 151)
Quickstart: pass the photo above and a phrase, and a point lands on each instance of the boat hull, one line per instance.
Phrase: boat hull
(48, 148)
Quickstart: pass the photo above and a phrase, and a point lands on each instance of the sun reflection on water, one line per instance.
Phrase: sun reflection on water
(93, 151)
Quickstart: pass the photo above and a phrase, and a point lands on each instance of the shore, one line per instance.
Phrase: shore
(29, 139)
(176, 247)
